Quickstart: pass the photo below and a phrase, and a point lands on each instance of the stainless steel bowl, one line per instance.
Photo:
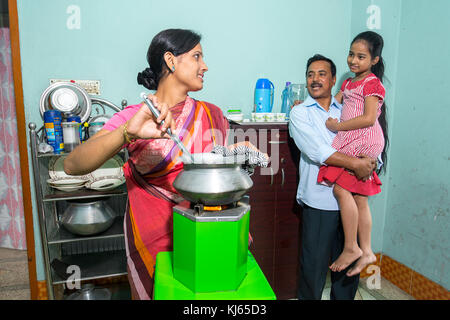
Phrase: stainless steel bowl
(87, 217)
(84, 101)
(212, 179)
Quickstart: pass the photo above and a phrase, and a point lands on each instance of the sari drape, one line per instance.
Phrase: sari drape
(150, 171)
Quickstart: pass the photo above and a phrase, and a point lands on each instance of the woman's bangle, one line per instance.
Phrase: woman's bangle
(125, 134)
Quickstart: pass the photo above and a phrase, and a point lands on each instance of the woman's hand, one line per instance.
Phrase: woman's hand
(144, 125)
(332, 124)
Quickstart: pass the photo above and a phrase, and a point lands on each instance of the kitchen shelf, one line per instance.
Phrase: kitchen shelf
(98, 256)
(56, 195)
(51, 154)
(61, 235)
(96, 265)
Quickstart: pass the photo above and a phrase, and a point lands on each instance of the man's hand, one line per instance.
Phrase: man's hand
(364, 166)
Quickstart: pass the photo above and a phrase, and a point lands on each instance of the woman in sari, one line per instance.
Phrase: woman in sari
(176, 67)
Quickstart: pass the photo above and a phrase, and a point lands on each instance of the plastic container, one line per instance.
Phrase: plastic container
(71, 134)
(53, 129)
(285, 101)
(72, 118)
(235, 115)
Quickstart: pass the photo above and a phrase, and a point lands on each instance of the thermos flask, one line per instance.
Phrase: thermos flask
(264, 90)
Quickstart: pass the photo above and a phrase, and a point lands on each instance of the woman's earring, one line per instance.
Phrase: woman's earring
(173, 68)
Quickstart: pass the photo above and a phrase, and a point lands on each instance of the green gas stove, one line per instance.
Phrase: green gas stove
(210, 258)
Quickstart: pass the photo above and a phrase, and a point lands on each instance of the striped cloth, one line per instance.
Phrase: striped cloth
(252, 157)
(368, 141)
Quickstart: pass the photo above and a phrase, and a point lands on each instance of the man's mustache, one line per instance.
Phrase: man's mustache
(316, 84)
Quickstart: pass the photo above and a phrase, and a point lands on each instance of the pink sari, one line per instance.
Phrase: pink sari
(150, 172)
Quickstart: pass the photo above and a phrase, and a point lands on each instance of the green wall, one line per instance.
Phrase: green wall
(416, 231)
(389, 27)
(246, 40)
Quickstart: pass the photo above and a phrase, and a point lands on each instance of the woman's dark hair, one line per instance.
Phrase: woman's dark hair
(176, 41)
(375, 45)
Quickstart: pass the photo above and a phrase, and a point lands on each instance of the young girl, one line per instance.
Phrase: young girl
(361, 130)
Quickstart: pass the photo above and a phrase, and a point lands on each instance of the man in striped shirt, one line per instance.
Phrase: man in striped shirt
(322, 234)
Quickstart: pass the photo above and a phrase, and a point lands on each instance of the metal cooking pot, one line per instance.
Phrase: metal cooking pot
(90, 292)
(87, 217)
(212, 179)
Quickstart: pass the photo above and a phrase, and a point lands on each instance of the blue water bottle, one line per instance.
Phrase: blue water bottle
(264, 95)
(285, 102)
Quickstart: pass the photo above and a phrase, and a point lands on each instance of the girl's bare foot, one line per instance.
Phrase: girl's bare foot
(346, 258)
(366, 259)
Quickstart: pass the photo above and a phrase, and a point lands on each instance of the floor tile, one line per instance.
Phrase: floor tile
(12, 255)
(365, 295)
(386, 291)
(17, 294)
(13, 273)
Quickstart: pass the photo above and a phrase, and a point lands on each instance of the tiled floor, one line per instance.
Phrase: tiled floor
(14, 283)
(385, 291)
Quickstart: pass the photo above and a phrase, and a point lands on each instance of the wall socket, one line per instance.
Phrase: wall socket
(91, 86)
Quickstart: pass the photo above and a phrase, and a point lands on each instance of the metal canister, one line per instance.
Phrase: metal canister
(72, 118)
(53, 129)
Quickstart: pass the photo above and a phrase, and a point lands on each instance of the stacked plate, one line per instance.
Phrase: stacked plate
(107, 177)
(68, 184)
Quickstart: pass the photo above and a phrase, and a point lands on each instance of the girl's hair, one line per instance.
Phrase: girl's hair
(176, 41)
(375, 45)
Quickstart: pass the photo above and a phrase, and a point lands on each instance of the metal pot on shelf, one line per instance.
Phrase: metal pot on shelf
(90, 292)
(212, 179)
(87, 216)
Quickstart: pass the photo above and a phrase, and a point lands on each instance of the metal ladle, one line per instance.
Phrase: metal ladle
(174, 137)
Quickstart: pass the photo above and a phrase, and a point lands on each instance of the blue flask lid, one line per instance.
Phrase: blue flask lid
(263, 84)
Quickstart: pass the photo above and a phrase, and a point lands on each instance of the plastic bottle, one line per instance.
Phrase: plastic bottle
(285, 103)
(53, 128)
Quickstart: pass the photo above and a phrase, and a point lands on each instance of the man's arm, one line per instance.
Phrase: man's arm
(307, 137)
(310, 142)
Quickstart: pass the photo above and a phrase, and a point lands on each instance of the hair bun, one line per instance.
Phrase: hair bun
(147, 78)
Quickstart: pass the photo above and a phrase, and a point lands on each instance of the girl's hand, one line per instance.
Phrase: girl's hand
(144, 125)
(332, 124)
(296, 102)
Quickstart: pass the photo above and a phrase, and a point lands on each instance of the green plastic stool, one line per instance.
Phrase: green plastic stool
(254, 286)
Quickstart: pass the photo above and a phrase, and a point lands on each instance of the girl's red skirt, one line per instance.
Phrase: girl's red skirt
(340, 176)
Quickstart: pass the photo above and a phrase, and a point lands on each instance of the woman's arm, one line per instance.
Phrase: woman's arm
(367, 119)
(104, 144)
(94, 152)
